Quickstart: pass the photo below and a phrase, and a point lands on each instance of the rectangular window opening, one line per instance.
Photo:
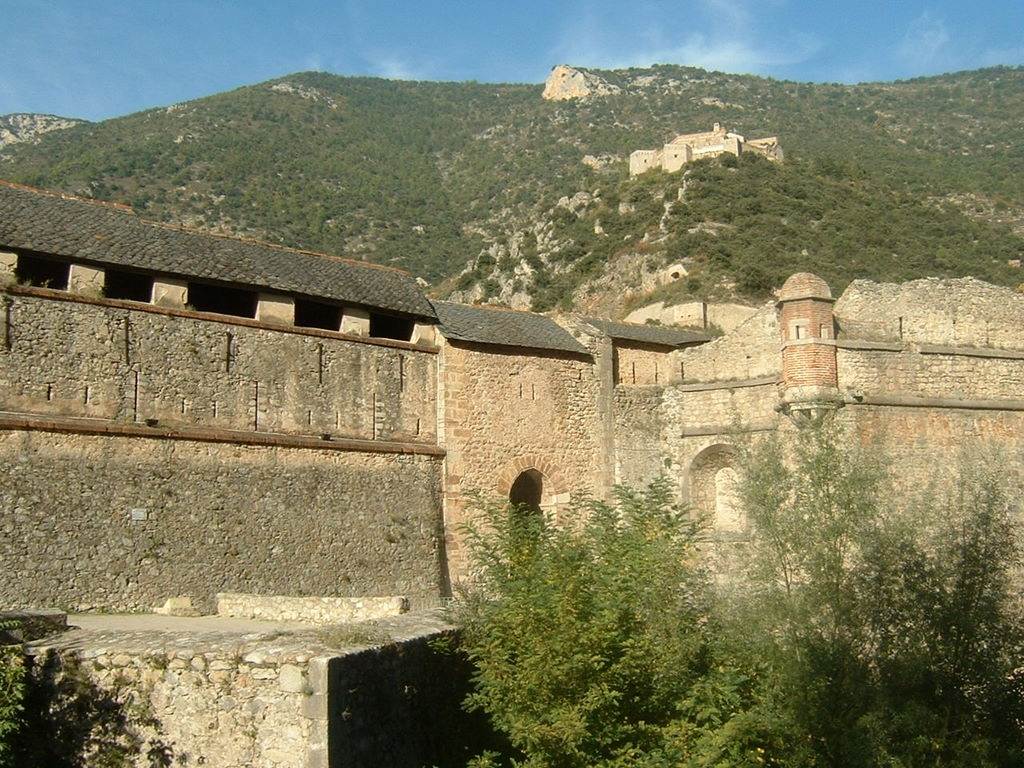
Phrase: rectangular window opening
(316, 314)
(222, 300)
(128, 286)
(42, 273)
(390, 327)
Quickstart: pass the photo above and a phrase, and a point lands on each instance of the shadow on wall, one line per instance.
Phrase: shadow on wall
(70, 722)
(400, 705)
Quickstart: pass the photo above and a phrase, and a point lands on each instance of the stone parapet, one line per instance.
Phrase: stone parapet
(229, 693)
(310, 610)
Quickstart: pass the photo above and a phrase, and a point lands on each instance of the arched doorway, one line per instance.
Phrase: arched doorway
(728, 513)
(713, 489)
(527, 490)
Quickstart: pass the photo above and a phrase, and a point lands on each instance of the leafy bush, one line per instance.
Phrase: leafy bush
(863, 631)
(892, 636)
(12, 692)
(589, 638)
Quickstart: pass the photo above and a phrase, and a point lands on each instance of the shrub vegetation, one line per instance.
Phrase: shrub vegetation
(863, 631)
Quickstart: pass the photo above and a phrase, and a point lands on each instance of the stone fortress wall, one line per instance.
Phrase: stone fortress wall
(924, 371)
(155, 454)
(932, 368)
(687, 147)
(201, 452)
(286, 451)
(153, 449)
(511, 411)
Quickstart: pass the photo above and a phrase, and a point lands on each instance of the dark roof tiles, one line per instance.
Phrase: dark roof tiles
(665, 336)
(74, 228)
(504, 327)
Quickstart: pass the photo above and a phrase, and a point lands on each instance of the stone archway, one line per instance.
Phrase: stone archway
(713, 491)
(527, 490)
(535, 478)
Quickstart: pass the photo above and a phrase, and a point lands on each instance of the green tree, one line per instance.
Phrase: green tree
(890, 635)
(589, 637)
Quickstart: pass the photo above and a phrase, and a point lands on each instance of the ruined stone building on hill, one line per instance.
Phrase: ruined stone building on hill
(183, 415)
(688, 147)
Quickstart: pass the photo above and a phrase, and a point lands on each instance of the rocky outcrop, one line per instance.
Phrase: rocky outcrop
(566, 83)
(22, 126)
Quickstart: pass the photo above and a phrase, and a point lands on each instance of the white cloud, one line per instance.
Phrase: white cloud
(926, 41)
(396, 68)
(729, 40)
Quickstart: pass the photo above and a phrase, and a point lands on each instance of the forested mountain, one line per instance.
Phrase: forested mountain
(461, 182)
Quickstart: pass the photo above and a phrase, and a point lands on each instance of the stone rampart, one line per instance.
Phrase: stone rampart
(749, 351)
(639, 439)
(965, 312)
(188, 692)
(94, 522)
(645, 365)
(113, 360)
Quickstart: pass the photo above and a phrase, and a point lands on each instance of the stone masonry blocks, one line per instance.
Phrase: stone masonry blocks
(275, 308)
(169, 292)
(355, 321)
(86, 280)
(8, 265)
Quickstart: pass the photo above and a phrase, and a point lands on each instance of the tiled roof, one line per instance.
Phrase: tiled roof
(665, 336)
(504, 327)
(74, 228)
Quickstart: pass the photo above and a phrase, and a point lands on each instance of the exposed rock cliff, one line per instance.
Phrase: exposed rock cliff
(22, 126)
(565, 82)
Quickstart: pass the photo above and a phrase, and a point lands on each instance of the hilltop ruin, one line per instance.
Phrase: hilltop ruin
(687, 147)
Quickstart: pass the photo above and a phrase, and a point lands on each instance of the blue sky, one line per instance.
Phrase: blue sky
(97, 59)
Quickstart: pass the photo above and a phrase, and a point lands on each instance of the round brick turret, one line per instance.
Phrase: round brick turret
(809, 378)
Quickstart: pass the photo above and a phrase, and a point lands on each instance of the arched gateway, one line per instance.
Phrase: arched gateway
(527, 490)
(533, 483)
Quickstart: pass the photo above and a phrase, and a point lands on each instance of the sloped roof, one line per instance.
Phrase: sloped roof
(504, 327)
(75, 228)
(661, 335)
